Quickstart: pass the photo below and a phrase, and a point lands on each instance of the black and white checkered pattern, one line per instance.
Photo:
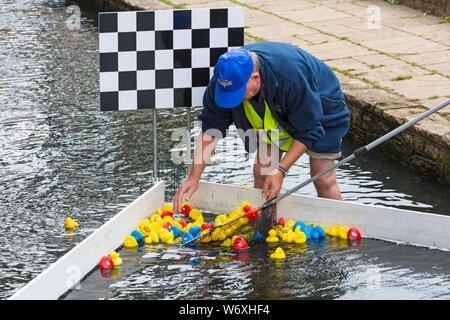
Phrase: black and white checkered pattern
(164, 58)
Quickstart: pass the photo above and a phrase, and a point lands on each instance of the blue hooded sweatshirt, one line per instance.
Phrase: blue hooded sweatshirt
(302, 93)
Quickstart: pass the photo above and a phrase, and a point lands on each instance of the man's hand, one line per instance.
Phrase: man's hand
(187, 188)
(272, 185)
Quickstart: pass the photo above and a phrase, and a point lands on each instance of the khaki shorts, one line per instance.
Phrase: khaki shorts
(328, 156)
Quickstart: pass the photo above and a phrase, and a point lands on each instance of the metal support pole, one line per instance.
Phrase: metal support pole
(188, 141)
(155, 148)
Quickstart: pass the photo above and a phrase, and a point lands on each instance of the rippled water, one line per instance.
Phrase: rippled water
(60, 156)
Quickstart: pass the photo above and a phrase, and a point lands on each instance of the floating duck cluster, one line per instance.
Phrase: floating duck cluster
(166, 227)
(298, 232)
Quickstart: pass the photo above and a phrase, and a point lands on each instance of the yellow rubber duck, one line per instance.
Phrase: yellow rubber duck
(155, 218)
(334, 231)
(159, 211)
(195, 214)
(130, 242)
(167, 219)
(290, 236)
(145, 227)
(289, 224)
(115, 258)
(161, 232)
(220, 219)
(167, 207)
(70, 224)
(153, 237)
(278, 254)
(148, 240)
(299, 236)
(167, 237)
(244, 204)
(272, 236)
(226, 243)
(156, 226)
(343, 233)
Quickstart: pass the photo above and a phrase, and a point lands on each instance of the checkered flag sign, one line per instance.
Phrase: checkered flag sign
(164, 58)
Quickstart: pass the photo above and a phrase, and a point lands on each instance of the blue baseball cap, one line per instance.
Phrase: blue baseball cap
(232, 72)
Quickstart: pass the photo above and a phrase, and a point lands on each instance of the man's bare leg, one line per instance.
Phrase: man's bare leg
(326, 185)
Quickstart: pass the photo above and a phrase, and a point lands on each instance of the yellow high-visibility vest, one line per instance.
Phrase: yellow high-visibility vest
(270, 125)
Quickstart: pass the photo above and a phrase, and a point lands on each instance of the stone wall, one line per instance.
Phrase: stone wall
(439, 8)
(375, 112)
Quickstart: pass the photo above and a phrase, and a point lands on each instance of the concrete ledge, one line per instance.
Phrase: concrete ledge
(375, 112)
(439, 8)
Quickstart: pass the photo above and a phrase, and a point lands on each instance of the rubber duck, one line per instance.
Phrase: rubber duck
(284, 233)
(70, 224)
(207, 226)
(310, 228)
(245, 204)
(158, 211)
(320, 231)
(220, 219)
(334, 231)
(167, 237)
(281, 221)
(353, 234)
(195, 230)
(185, 209)
(153, 236)
(272, 236)
(148, 240)
(195, 214)
(176, 231)
(246, 186)
(257, 236)
(106, 262)
(130, 242)
(251, 213)
(343, 233)
(115, 258)
(279, 230)
(207, 238)
(167, 207)
(299, 236)
(138, 236)
(156, 226)
(167, 213)
(290, 236)
(299, 224)
(145, 227)
(226, 243)
(239, 243)
(187, 236)
(155, 218)
(278, 254)
(290, 224)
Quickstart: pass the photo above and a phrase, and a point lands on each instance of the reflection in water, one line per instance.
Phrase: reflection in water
(60, 156)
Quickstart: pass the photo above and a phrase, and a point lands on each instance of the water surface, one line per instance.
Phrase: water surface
(60, 156)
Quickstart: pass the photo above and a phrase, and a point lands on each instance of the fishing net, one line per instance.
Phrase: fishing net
(251, 225)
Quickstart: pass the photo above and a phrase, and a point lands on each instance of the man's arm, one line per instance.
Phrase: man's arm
(204, 149)
(274, 181)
